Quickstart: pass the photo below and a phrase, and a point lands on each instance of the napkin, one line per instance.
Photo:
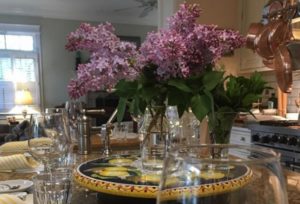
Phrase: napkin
(21, 146)
(17, 161)
(11, 199)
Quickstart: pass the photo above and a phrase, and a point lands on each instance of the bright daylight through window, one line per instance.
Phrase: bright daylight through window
(19, 66)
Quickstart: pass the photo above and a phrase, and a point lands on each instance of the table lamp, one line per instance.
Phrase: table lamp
(23, 97)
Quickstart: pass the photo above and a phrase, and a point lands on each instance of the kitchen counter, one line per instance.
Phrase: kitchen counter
(81, 195)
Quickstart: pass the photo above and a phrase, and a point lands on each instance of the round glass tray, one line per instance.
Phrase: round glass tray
(122, 175)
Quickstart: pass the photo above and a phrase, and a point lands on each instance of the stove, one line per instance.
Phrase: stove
(282, 136)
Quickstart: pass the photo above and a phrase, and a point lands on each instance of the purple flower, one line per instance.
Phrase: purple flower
(182, 50)
(110, 59)
(186, 48)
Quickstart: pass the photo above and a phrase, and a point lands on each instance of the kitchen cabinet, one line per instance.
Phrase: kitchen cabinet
(250, 12)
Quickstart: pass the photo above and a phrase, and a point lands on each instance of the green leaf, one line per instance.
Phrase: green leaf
(200, 105)
(211, 99)
(134, 106)
(175, 96)
(180, 84)
(148, 93)
(121, 109)
(126, 88)
(212, 79)
(249, 99)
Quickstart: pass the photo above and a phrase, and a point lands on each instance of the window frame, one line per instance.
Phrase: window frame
(27, 30)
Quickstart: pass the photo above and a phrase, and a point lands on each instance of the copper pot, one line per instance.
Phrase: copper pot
(294, 49)
(279, 32)
(283, 68)
(262, 45)
(276, 5)
(253, 32)
(269, 63)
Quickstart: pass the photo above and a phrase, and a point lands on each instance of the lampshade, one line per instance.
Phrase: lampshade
(23, 97)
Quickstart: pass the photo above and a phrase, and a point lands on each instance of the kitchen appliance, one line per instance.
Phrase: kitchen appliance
(282, 136)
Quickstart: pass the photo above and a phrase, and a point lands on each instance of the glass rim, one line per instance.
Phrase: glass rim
(56, 175)
(269, 155)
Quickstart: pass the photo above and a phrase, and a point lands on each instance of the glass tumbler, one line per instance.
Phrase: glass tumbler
(227, 174)
(53, 188)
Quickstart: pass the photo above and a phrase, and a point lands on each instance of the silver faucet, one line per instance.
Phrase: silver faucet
(108, 128)
(85, 129)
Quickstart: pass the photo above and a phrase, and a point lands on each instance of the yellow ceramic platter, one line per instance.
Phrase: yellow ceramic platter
(107, 175)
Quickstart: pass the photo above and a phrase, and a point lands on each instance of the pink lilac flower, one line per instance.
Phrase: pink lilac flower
(184, 20)
(110, 59)
(183, 50)
(186, 48)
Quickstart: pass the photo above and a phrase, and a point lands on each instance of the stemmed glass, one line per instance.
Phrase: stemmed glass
(73, 110)
(227, 174)
(48, 141)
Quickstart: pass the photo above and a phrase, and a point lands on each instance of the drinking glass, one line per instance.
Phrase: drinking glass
(121, 130)
(227, 174)
(65, 118)
(175, 127)
(73, 109)
(48, 141)
(54, 187)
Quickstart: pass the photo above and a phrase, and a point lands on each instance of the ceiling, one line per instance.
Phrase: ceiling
(115, 11)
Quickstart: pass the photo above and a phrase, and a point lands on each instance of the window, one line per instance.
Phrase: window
(19, 64)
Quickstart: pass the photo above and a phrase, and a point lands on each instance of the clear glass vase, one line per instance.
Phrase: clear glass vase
(154, 144)
(190, 128)
(220, 124)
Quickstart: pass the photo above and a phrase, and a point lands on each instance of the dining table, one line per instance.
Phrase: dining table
(81, 194)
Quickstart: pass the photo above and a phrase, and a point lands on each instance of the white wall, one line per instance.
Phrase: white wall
(58, 65)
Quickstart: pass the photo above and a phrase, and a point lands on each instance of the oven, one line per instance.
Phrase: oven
(282, 136)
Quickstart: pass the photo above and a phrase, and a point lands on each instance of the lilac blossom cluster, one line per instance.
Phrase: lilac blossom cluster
(183, 50)
(186, 48)
(110, 59)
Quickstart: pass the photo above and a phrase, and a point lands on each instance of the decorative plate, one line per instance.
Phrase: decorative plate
(121, 175)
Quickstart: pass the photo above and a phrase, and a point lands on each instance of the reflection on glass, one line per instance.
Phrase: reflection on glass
(227, 174)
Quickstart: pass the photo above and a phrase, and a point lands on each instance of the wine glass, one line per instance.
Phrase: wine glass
(73, 109)
(227, 174)
(48, 141)
(65, 120)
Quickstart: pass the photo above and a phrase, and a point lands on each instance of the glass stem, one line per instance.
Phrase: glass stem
(47, 167)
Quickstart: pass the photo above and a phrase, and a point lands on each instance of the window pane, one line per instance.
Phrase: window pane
(7, 95)
(26, 43)
(5, 69)
(12, 42)
(19, 42)
(24, 70)
(2, 42)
